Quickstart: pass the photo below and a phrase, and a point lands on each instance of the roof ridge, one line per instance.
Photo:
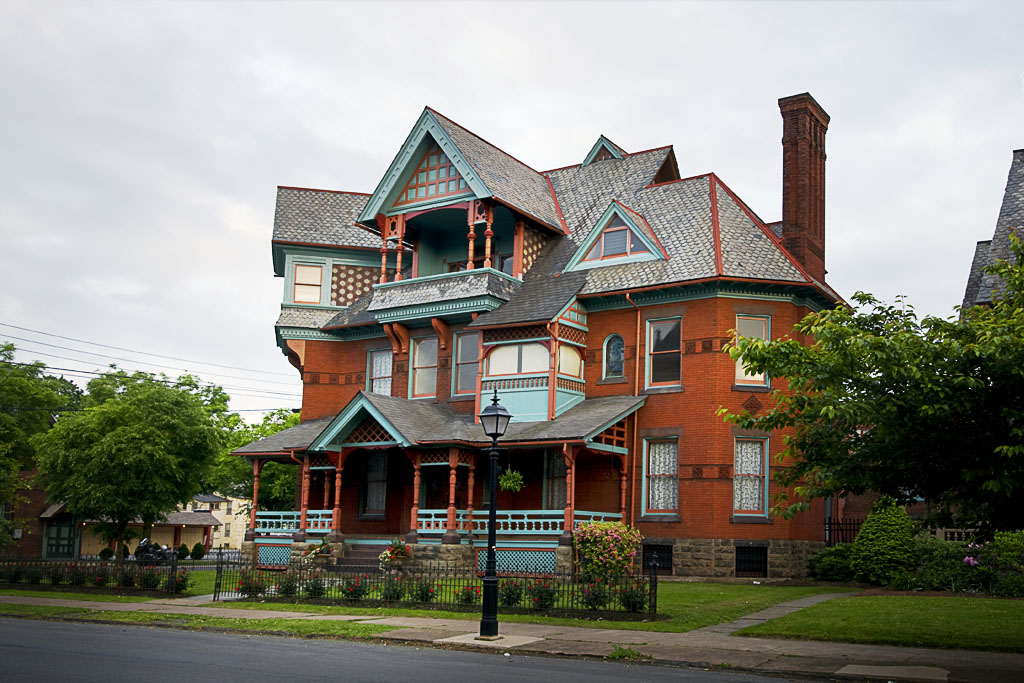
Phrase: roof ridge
(483, 140)
(716, 228)
(625, 154)
(315, 189)
(681, 180)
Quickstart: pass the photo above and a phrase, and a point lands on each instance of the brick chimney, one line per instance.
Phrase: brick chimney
(804, 124)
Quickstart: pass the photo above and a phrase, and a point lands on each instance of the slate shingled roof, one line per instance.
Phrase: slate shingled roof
(321, 217)
(981, 285)
(294, 438)
(313, 318)
(464, 285)
(508, 179)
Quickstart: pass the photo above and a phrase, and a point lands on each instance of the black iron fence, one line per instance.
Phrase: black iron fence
(441, 587)
(841, 530)
(171, 578)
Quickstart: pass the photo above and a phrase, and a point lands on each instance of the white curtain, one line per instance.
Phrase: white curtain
(662, 475)
(748, 477)
(381, 373)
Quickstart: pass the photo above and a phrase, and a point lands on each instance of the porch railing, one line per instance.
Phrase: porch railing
(274, 522)
(318, 521)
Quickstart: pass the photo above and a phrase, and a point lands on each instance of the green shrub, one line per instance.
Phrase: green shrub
(101, 578)
(288, 585)
(33, 574)
(393, 589)
(633, 598)
(595, 595)
(541, 594)
(997, 565)
(315, 587)
(833, 564)
(149, 580)
(606, 550)
(422, 591)
(251, 585)
(106, 554)
(884, 547)
(1009, 585)
(198, 552)
(510, 593)
(178, 583)
(468, 595)
(183, 551)
(76, 574)
(126, 579)
(355, 588)
(55, 573)
(11, 573)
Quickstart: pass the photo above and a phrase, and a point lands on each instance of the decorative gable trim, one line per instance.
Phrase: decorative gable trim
(636, 224)
(603, 149)
(355, 415)
(409, 157)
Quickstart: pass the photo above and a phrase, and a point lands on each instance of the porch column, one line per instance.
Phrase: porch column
(257, 467)
(622, 486)
(339, 465)
(177, 537)
(208, 540)
(570, 487)
(488, 234)
(384, 263)
(301, 535)
(469, 493)
(471, 237)
(414, 515)
(451, 535)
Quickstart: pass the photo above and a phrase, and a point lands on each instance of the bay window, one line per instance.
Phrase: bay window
(424, 367)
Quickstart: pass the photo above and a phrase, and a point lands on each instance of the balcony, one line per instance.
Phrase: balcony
(448, 294)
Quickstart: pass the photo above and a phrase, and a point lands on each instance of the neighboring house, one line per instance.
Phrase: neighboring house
(230, 512)
(595, 299)
(982, 285)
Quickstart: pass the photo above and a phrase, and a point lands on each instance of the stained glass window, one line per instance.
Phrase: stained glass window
(614, 356)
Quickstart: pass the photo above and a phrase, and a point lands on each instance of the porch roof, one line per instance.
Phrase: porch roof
(295, 438)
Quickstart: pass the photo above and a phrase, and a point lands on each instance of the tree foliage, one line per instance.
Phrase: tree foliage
(231, 475)
(141, 446)
(912, 408)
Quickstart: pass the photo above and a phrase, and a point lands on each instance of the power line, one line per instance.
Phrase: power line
(145, 353)
(133, 360)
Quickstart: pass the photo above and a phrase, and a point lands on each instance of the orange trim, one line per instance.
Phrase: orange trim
(716, 230)
(558, 206)
(323, 245)
(653, 235)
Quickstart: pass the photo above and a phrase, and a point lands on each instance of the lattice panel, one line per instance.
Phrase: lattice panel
(533, 242)
(319, 460)
(434, 459)
(348, 283)
(513, 333)
(467, 457)
(369, 431)
(572, 334)
(519, 561)
(273, 555)
(614, 435)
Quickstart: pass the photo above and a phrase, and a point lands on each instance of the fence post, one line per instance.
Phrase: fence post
(220, 568)
(172, 580)
(652, 597)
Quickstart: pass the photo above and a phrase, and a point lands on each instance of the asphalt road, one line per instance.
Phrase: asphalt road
(42, 651)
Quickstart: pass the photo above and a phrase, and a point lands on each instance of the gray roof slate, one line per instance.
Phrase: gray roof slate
(747, 250)
(294, 438)
(321, 217)
(463, 285)
(312, 318)
(1011, 217)
(354, 314)
(507, 178)
(190, 519)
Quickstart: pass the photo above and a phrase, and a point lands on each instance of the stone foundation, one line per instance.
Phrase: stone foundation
(716, 557)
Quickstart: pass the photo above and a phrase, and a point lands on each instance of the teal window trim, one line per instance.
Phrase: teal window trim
(577, 261)
(458, 336)
(647, 354)
(369, 369)
(644, 485)
(768, 335)
(324, 263)
(604, 356)
(412, 366)
(764, 475)
(602, 143)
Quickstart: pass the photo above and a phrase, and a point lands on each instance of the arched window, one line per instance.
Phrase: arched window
(614, 356)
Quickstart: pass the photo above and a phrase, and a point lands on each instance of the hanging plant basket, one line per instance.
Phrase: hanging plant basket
(510, 480)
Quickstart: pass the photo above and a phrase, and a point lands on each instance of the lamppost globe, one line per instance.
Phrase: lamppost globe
(494, 419)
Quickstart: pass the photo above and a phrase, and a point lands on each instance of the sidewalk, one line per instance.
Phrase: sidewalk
(709, 647)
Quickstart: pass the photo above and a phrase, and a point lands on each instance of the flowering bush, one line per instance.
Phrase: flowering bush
(595, 595)
(178, 583)
(100, 579)
(311, 552)
(633, 598)
(55, 574)
(251, 585)
(469, 595)
(315, 587)
(541, 594)
(356, 588)
(422, 591)
(76, 574)
(127, 579)
(605, 550)
(510, 593)
(393, 589)
(398, 550)
(149, 580)
(288, 585)
(999, 564)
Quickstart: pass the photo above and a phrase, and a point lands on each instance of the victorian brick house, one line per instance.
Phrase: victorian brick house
(595, 299)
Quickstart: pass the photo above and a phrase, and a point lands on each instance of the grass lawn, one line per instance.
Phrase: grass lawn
(90, 597)
(202, 583)
(682, 606)
(911, 620)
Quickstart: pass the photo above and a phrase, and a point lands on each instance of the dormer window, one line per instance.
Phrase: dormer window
(435, 176)
(308, 280)
(616, 241)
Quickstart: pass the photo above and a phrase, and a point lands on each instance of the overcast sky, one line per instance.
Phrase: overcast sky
(141, 143)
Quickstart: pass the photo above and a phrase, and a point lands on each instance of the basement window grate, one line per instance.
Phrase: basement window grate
(751, 561)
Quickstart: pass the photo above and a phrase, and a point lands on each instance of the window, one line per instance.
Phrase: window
(227, 529)
(214, 506)
(307, 284)
(435, 176)
(753, 327)
(467, 360)
(375, 484)
(227, 508)
(424, 368)
(379, 373)
(614, 356)
(555, 471)
(516, 359)
(664, 352)
(569, 361)
(616, 241)
(748, 480)
(662, 477)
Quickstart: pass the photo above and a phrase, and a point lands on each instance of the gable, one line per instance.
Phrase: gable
(434, 177)
(603, 149)
(620, 236)
(360, 423)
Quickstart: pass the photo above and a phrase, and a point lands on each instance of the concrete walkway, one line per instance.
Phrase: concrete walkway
(709, 647)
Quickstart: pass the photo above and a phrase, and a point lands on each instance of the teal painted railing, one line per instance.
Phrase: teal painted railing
(277, 522)
(509, 522)
(318, 521)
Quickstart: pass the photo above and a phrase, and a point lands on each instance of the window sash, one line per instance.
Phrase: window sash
(424, 371)
(467, 362)
(662, 465)
(517, 359)
(664, 352)
(306, 284)
(750, 327)
(749, 472)
(376, 479)
(570, 362)
(380, 372)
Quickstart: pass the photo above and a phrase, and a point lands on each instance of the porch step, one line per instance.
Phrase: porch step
(360, 556)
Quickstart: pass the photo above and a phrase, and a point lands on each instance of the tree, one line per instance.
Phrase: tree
(141, 446)
(917, 409)
(28, 401)
(231, 475)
